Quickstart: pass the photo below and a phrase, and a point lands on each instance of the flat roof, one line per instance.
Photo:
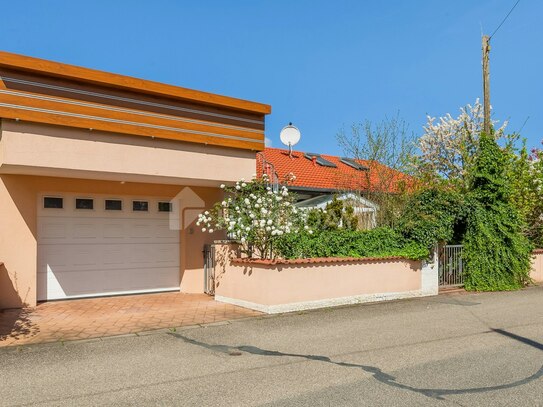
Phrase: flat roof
(73, 72)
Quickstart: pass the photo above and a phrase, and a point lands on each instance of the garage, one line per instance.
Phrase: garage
(99, 245)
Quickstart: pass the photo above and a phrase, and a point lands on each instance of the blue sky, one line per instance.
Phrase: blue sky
(320, 64)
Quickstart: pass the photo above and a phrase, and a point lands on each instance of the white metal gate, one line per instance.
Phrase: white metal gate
(451, 266)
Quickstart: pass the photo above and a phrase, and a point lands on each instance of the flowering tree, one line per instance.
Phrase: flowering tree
(448, 147)
(254, 214)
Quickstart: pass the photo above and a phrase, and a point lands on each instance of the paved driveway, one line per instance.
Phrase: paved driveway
(97, 317)
(450, 350)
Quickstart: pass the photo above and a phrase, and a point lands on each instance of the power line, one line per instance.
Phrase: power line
(503, 21)
(524, 124)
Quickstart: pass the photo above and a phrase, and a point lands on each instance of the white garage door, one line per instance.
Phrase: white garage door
(97, 245)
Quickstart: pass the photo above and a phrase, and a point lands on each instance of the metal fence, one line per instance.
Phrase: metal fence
(451, 266)
(209, 269)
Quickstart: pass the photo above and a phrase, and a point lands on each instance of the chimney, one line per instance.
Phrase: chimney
(314, 159)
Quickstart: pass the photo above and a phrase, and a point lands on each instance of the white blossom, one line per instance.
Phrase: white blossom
(254, 214)
(449, 144)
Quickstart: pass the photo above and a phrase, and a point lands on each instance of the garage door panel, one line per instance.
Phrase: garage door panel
(89, 257)
(51, 228)
(52, 257)
(114, 230)
(140, 279)
(114, 255)
(140, 254)
(141, 230)
(167, 255)
(96, 252)
(90, 229)
(163, 232)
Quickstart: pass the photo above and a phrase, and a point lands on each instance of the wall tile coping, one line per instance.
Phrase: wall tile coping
(316, 260)
(537, 251)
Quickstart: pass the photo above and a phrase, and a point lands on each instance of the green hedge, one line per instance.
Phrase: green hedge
(380, 242)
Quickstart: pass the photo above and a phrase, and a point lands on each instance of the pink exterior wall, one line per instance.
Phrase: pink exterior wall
(537, 266)
(37, 149)
(286, 287)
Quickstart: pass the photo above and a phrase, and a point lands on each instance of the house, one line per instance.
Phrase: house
(102, 175)
(364, 209)
(320, 177)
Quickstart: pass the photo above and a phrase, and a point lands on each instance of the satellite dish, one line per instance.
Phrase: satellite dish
(290, 136)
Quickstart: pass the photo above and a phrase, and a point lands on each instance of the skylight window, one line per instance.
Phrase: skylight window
(320, 160)
(351, 162)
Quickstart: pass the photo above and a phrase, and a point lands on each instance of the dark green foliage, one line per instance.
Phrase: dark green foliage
(496, 253)
(432, 216)
(380, 242)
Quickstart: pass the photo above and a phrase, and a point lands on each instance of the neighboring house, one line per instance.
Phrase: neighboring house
(364, 209)
(320, 177)
(93, 174)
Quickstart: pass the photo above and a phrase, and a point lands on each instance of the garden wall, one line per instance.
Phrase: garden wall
(292, 285)
(537, 266)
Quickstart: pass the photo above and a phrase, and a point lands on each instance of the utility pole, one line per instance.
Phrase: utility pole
(486, 83)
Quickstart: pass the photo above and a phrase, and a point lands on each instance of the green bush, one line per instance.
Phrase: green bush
(433, 215)
(380, 242)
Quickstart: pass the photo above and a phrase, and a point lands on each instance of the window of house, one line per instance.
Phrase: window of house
(114, 205)
(53, 202)
(84, 203)
(140, 206)
(164, 207)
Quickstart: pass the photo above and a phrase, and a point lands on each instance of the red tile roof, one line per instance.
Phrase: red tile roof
(310, 174)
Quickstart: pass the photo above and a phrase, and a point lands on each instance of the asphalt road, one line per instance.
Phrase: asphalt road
(456, 349)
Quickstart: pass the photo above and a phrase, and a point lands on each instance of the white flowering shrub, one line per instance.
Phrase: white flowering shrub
(449, 145)
(255, 215)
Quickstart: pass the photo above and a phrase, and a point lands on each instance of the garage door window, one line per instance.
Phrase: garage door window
(140, 206)
(164, 207)
(52, 202)
(84, 203)
(114, 205)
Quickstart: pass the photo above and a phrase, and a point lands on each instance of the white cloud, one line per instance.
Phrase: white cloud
(268, 142)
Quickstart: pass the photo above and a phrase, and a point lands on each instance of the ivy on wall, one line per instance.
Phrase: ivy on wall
(496, 252)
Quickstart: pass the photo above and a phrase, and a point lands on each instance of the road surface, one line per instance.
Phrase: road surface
(456, 349)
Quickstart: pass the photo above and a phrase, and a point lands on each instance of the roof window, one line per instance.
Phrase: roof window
(319, 160)
(351, 162)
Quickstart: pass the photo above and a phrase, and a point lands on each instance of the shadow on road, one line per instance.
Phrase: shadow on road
(377, 373)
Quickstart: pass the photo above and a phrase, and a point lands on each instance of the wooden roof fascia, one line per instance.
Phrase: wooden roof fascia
(97, 77)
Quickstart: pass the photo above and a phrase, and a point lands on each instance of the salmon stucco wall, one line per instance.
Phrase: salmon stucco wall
(18, 229)
(43, 150)
(280, 287)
